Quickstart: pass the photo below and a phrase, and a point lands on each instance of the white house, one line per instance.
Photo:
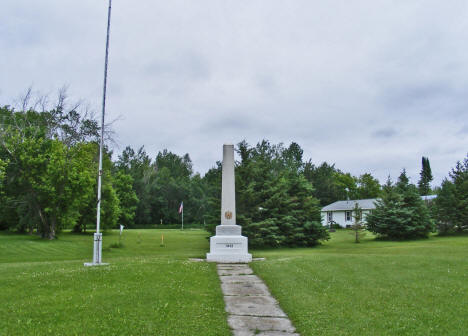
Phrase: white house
(341, 212)
(429, 198)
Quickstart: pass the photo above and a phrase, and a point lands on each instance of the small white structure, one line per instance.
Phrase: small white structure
(228, 246)
(341, 212)
(429, 198)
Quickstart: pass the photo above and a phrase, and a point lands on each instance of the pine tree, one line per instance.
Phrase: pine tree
(420, 221)
(446, 204)
(452, 201)
(275, 203)
(426, 177)
(389, 218)
(358, 226)
(459, 177)
(400, 214)
(403, 180)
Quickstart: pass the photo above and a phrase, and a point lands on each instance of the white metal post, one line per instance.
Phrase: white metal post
(97, 251)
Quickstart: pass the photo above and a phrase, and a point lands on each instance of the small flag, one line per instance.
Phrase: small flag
(181, 208)
(121, 229)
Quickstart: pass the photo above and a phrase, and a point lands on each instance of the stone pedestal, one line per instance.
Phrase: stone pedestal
(228, 246)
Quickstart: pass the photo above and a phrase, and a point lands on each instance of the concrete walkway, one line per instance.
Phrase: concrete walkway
(251, 308)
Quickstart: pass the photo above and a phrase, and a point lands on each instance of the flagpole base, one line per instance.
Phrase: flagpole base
(97, 251)
(93, 264)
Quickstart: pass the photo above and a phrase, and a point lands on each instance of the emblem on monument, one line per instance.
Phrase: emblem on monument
(228, 214)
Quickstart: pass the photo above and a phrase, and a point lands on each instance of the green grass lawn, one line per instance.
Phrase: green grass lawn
(340, 288)
(146, 289)
(372, 288)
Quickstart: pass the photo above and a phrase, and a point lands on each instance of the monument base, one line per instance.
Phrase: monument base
(228, 249)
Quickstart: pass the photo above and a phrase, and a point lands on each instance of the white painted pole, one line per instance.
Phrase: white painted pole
(97, 251)
(98, 217)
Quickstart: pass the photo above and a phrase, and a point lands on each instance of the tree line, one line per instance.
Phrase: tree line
(402, 214)
(48, 165)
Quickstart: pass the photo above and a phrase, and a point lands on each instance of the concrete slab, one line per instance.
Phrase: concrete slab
(266, 333)
(240, 279)
(238, 271)
(243, 333)
(244, 289)
(253, 306)
(231, 266)
(260, 323)
(276, 333)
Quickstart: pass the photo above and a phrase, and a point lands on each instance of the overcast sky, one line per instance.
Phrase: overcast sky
(368, 85)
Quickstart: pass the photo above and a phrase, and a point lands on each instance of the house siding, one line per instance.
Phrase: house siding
(340, 219)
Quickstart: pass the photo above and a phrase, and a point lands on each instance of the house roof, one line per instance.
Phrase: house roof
(366, 204)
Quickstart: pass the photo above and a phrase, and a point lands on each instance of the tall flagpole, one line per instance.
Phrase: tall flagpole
(97, 260)
(182, 216)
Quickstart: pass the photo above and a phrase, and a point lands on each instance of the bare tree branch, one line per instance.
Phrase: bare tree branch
(25, 98)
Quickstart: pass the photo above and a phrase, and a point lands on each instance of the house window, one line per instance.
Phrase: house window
(330, 216)
(348, 216)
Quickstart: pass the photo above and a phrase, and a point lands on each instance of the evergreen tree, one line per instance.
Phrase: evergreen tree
(400, 213)
(421, 223)
(403, 181)
(389, 218)
(425, 178)
(445, 205)
(212, 211)
(452, 201)
(274, 200)
(358, 226)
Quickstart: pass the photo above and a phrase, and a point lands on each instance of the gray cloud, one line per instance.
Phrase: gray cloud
(185, 66)
(385, 133)
(370, 86)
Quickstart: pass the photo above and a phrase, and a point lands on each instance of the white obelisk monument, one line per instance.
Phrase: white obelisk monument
(228, 246)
